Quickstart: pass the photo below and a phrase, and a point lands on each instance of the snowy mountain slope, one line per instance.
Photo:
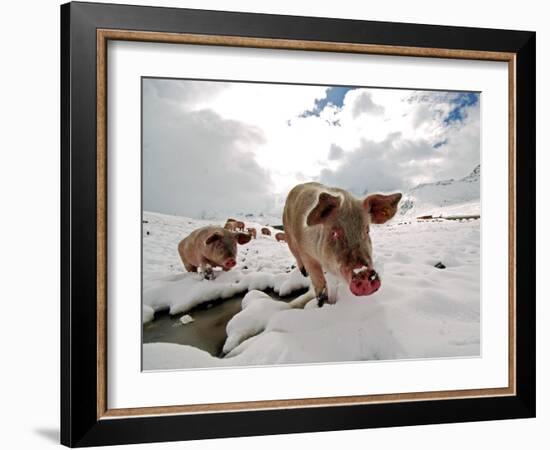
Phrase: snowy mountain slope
(448, 197)
(261, 219)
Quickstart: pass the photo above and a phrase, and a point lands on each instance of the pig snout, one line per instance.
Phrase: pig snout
(229, 263)
(364, 282)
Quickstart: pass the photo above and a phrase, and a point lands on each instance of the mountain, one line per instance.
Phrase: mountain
(447, 197)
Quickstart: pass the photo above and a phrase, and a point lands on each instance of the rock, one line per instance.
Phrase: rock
(440, 265)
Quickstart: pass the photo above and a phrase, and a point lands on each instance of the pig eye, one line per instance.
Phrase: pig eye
(336, 234)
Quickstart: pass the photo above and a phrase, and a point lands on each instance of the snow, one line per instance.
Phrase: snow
(419, 312)
(148, 313)
(186, 318)
(257, 309)
(445, 198)
(261, 264)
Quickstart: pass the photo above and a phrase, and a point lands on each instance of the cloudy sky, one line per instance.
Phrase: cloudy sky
(217, 148)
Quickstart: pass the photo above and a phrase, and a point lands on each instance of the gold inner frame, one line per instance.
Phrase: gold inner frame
(104, 35)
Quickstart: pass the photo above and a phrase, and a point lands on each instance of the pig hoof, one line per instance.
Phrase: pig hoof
(303, 271)
(322, 298)
(208, 275)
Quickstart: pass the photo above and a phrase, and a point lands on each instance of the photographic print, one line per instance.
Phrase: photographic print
(296, 198)
(301, 224)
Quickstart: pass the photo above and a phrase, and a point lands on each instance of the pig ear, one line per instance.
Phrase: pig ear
(243, 238)
(213, 238)
(381, 208)
(326, 207)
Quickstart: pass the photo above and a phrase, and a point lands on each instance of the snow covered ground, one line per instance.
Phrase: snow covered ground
(420, 311)
(262, 263)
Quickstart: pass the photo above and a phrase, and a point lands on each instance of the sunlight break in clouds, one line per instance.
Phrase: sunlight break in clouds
(221, 147)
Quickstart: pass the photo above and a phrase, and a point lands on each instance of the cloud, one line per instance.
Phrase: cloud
(417, 144)
(211, 147)
(184, 92)
(198, 164)
(335, 152)
(364, 105)
(366, 169)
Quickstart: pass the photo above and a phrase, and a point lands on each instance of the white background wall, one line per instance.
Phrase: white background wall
(29, 223)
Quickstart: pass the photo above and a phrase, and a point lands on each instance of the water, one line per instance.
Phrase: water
(207, 332)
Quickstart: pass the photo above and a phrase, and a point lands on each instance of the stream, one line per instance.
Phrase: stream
(207, 332)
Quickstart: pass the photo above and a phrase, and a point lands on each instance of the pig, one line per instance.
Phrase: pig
(252, 232)
(231, 225)
(327, 230)
(266, 231)
(209, 247)
(280, 237)
(234, 225)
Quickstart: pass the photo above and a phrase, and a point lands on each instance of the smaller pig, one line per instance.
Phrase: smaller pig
(231, 225)
(234, 225)
(266, 231)
(281, 237)
(252, 232)
(210, 247)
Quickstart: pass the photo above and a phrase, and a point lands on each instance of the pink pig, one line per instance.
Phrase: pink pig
(234, 225)
(327, 230)
(280, 237)
(209, 247)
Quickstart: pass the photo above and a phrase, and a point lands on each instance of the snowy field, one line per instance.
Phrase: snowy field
(420, 311)
(261, 264)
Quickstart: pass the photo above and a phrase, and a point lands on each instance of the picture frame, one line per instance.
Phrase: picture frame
(86, 419)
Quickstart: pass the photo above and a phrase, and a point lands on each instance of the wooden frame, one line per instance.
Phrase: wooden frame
(86, 419)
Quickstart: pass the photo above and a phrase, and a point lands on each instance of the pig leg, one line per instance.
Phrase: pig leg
(322, 298)
(318, 279)
(207, 272)
(332, 288)
(189, 267)
(296, 255)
